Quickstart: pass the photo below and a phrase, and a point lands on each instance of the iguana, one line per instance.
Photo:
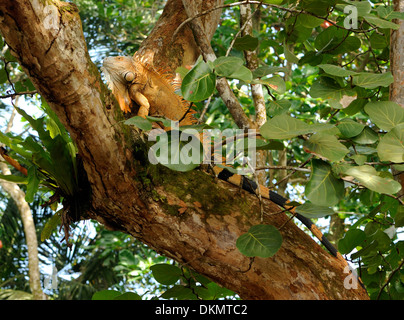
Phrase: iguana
(133, 80)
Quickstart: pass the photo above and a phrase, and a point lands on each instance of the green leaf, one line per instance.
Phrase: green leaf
(273, 1)
(355, 106)
(369, 250)
(3, 76)
(283, 127)
(246, 43)
(326, 146)
(140, 122)
(175, 152)
(370, 178)
(388, 13)
(14, 179)
(179, 292)
(313, 211)
(199, 83)
(381, 23)
(359, 159)
(128, 296)
(260, 241)
(33, 183)
(275, 82)
(350, 128)
(63, 169)
(50, 226)
(127, 258)
(232, 67)
(399, 217)
(265, 70)
(323, 188)
(333, 41)
(166, 273)
(385, 114)
(351, 240)
(289, 55)
(391, 145)
(334, 94)
(182, 71)
(336, 71)
(262, 145)
(379, 41)
(226, 66)
(242, 73)
(363, 7)
(308, 21)
(368, 136)
(278, 107)
(164, 121)
(105, 295)
(372, 80)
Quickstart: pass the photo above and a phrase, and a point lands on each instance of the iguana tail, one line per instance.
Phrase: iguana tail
(252, 187)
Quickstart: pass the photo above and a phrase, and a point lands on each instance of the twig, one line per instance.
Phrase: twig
(283, 168)
(222, 85)
(200, 14)
(13, 95)
(293, 171)
(244, 26)
(205, 108)
(12, 162)
(389, 279)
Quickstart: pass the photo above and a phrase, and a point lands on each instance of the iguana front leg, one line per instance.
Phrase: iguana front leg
(140, 99)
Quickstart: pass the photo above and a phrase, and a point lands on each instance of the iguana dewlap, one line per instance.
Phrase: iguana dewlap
(133, 80)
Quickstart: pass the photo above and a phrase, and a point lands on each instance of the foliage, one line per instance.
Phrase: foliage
(327, 97)
(330, 107)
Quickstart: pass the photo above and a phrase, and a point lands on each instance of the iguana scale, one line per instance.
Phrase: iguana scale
(133, 80)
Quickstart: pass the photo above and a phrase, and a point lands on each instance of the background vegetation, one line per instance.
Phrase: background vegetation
(326, 91)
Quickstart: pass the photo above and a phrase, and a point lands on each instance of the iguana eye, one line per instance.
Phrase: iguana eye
(129, 76)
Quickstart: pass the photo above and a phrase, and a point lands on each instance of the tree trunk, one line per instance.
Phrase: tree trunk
(397, 69)
(130, 195)
(15, 192)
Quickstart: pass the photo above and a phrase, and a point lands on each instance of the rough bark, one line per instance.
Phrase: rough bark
(130, 195)
(397, 69)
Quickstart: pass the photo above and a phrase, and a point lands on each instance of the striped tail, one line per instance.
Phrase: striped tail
(252, 187)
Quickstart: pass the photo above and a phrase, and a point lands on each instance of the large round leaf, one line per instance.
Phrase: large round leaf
(391, 146)
(385, 114)
(166, 273)
(199, 83)
(260, 241)
(327, 146)
(351, 240)
(371, 179)
(323, 188)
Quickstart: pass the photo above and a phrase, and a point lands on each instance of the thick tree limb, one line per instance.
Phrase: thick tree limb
(397, 62)
(130, 195)
(208, 54)
(27, 219)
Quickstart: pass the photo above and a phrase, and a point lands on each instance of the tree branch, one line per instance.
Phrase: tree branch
(18, 196)
(131, 195)
(222, 85)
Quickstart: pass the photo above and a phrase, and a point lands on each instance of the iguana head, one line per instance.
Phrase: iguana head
(120, 72)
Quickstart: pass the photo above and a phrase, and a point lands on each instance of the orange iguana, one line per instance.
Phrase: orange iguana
(133, 80)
